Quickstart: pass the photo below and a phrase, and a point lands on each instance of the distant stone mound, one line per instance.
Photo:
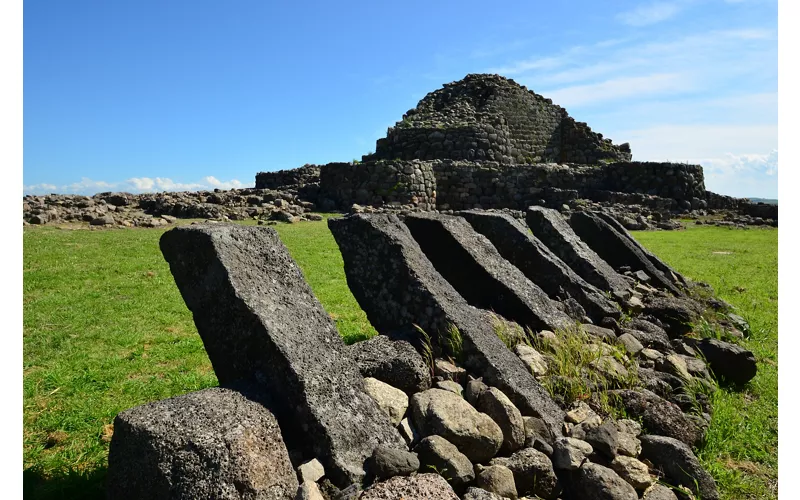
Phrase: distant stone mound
(489, 117)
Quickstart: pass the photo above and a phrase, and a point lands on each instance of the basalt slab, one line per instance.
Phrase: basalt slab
(552, 229)
(670, 273)
(260, 321)
(528, 254)
(616, 249)
(398, 287)
(469, 262)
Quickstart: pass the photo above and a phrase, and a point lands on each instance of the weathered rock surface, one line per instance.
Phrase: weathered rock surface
(260, 321)
(658, 415)
(469, 262)
(392, 401)
(654, 339)
(677, 314)
(309, 491)
(617, 249)
(428, 486)
(449, 371)
(311, 471)
(214, 443)
(526, 252)
(729, 362)
(442, 413)
(480, 494)
(440, 455)
(569, 453)
(595, 482)
(388, 462)
(496, 479)
(679, 464)
(552, 229)
(534, 360)
(659, 492)
(398, 287)
(633, 471)
(533, 473)
(395, 362)
(497, 405)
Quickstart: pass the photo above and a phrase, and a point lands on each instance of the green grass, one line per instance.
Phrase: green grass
(742, 267)
(105, 329)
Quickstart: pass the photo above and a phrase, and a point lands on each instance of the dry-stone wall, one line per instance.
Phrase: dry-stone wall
(452, 400)
(488, 117)
(307, 174)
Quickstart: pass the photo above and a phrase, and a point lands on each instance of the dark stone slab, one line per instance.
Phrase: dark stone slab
(469, 262)
(260, 321)
(679, 464)
(616, 249)
(729, 362)
(525, 251)
(658, 415)
(395, 362)
(552, 229)
(670, 273)
(214, 443)
(397, 286)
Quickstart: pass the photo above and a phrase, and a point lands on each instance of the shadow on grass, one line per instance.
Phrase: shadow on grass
(72, 484)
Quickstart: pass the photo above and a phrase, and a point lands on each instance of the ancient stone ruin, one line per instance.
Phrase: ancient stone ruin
(486, 142)
(561, 362)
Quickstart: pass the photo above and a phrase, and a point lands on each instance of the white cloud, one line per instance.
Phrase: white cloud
(618, 88)
(88, 186)
(651, 13)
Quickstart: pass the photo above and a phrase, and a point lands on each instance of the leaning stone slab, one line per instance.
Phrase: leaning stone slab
(397, 286)
(615, 248)
(469, 262)
(670, 273)
(525, 251)
(214, 443)
(260, 321)
(550, 227)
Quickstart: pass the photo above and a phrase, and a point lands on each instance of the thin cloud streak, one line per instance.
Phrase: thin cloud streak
(645, 15)
(88, 186)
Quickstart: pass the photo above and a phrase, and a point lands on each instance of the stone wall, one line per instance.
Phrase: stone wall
(461, 185)
(488, 117)
(379, 183)
(307, 174)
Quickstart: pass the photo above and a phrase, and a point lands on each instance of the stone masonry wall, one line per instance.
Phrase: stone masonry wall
(379, 183)
(488, 117)
(307, 174)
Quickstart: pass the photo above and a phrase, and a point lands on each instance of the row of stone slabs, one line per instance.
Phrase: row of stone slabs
(264, 330)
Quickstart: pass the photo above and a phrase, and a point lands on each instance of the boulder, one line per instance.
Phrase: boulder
(469, 262)
(552, 229)
(441, 456)
(449, 385)
(309, 491)
(595, 482)
(442, 413)
(526, 252)
(496, 479)
(679, 465)
(395, 362)
(428, 486)
(659, 492)
(480, 494)
(449, 371)
(658, 415)
(260, 322)
(569, 453)
(533, 473)
(311, 471)
(398, 287)
(393, 402)
(678, 314)
(729, 362)
(389, 462)
(651, 340)
(633, 471)
(532, 359)
(497, 405)
(213, 443)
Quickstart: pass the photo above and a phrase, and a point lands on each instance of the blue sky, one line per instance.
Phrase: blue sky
(153, 95)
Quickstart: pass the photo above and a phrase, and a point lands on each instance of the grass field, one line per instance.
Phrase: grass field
(105, 329)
